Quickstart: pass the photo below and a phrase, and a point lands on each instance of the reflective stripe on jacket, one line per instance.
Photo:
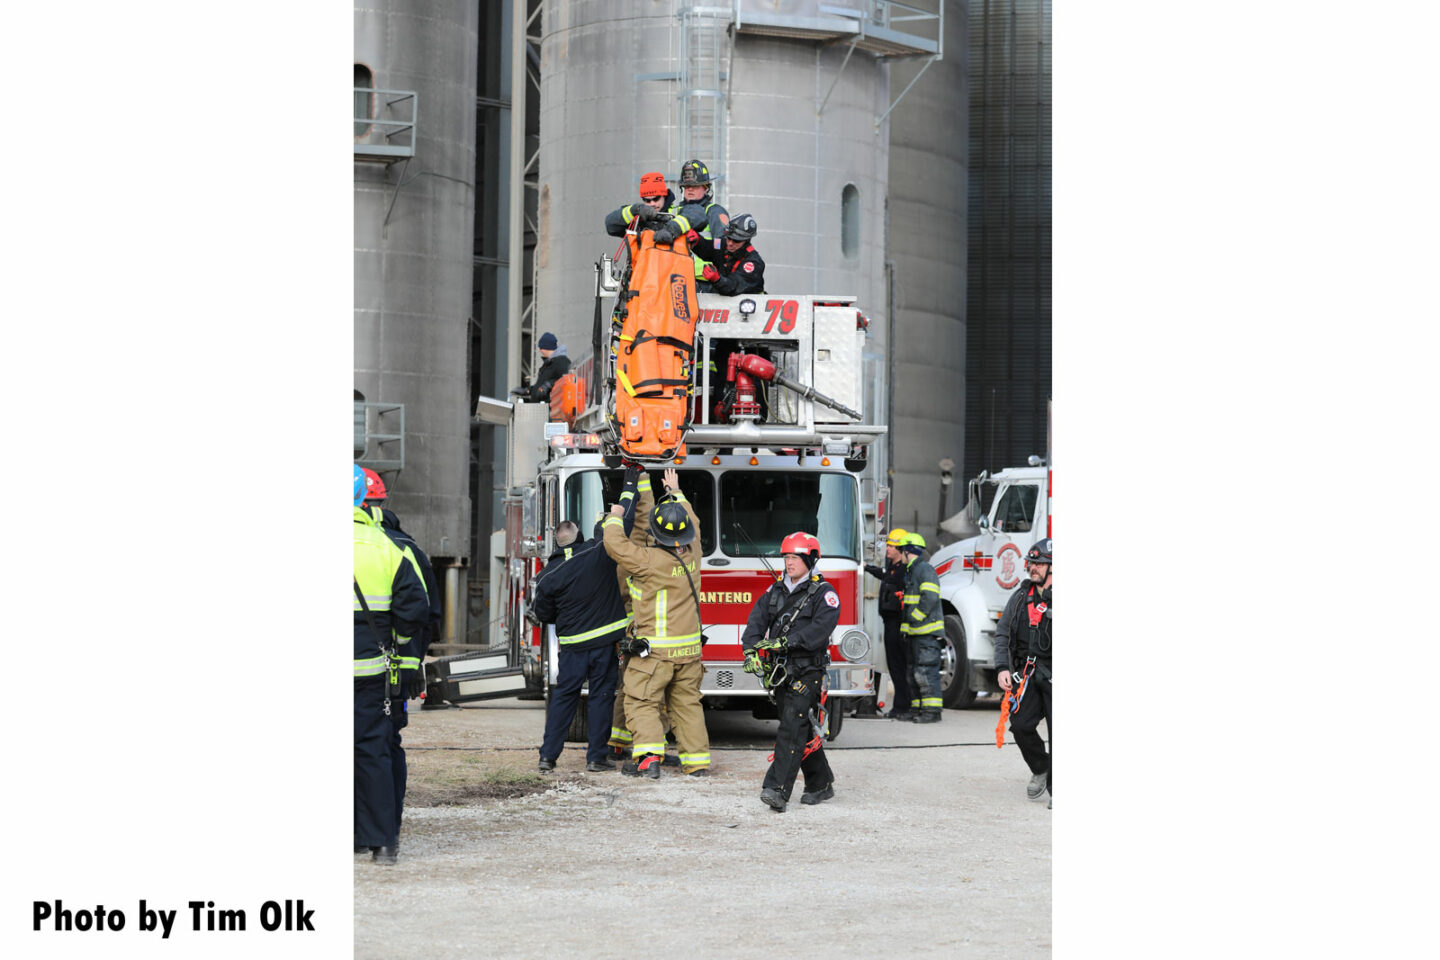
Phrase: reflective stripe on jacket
(920, 612)
(392, 590)
(662, 604)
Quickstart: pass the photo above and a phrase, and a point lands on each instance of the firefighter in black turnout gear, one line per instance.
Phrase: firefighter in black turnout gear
(923, 621)
(1022, 653)
(738, 268)
(578, 593)
(792, 623)
(897, 647)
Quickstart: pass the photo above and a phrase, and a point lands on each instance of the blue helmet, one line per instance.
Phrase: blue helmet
(360, 485)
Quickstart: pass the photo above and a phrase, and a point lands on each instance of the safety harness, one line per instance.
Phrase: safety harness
(387, 650)
(775, 663)
(1011, 703)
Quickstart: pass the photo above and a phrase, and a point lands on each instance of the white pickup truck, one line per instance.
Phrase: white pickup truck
(1010, 510)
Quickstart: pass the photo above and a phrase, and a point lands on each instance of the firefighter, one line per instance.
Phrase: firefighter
(1022, 649)
(737, 268)
(897, 653)
(922, 620)
(657, 208)
(637, 489)
(664, 667)
(556, 365)
(578, 594)
(794, 620)
(390, 609)
(412, 663)
(706, 219)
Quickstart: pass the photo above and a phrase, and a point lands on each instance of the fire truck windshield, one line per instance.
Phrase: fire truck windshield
(589, 494)
(769, 506)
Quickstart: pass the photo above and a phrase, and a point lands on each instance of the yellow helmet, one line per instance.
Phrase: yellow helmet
(897, 537)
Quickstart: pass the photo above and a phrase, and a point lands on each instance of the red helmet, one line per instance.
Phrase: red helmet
(803, 545)
(374, 486)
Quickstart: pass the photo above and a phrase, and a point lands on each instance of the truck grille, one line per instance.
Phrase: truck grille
(724, 678)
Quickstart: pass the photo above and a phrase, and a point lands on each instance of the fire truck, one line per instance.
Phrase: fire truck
(778, 442)
(1006, 512)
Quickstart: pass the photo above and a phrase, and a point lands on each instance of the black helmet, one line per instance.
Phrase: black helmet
(741, 228)
(1040, 552)
(694, 174)
(670, 524)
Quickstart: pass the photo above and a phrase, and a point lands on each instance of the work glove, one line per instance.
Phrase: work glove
(752, 662)
(632, 473)
(771, 643)
(414, 682)
(667, 232)
(693, 238)
(645, 212)
(710, 273)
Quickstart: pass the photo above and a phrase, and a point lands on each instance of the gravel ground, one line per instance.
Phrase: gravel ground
(929, 848)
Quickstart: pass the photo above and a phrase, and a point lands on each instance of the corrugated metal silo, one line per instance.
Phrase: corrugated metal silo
(414, 223)
(928, 201)
(614, 74)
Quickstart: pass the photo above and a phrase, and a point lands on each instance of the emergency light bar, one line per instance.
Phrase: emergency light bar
(576, 441)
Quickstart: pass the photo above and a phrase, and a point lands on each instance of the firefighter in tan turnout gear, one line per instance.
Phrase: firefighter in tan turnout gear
(638, 501)
(664, 667)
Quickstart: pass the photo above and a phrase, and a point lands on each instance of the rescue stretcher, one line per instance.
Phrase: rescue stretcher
(652, 350)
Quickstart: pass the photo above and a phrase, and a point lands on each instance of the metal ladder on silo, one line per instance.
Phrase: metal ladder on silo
(704, 65)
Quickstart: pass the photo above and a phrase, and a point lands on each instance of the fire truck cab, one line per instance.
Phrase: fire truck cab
(761, 461)
(1007, 513)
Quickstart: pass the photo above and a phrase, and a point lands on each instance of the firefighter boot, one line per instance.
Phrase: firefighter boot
(927, 716)
(772, 798)
(818, 796)
(646, 766)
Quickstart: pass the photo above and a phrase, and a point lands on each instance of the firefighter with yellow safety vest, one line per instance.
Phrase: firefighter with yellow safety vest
(412, 662)
(705, 219)
(664, 665)
(391, 608)
(922, 620)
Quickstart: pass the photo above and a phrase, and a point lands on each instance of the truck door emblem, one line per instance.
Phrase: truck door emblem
(1008, 577)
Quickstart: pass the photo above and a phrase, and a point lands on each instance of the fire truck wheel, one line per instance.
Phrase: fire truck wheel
(834, 718)
(579, 732)
(955, 666)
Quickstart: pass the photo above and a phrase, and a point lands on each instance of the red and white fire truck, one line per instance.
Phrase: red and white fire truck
(762, 461)
(1010, 510)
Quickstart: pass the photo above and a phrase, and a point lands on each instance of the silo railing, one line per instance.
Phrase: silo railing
(383, 426)
(385, 124)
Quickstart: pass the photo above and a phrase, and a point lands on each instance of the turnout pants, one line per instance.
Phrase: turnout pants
(595, 664)
(621, 736)
(1034, 708)
(376, 817)
(926, 650)
(653, 685)
(897, 659)
(795, 700)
